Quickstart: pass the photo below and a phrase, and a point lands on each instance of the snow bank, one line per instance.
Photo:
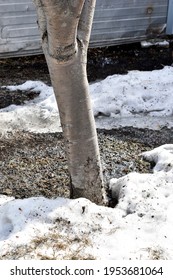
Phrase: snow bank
(140, 227)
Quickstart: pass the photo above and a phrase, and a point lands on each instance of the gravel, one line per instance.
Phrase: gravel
(35, 164)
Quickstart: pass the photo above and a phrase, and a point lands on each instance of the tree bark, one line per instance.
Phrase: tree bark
(65, 29)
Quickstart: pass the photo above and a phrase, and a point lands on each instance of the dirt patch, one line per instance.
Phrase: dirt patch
(18, 97)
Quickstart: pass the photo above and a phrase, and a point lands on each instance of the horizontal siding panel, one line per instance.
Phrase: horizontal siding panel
(135, 23)
(17, 32)
(128, 3)
(130, 12)
(16, 8)
(29, 19)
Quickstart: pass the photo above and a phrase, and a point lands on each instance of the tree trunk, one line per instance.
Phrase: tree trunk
(65, 29)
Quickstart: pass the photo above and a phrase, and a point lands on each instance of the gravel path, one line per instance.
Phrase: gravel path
(35, 164)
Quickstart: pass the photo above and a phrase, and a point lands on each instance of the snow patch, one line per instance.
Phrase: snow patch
(139, 99)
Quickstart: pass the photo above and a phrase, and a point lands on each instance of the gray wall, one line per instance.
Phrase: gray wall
(115, 22)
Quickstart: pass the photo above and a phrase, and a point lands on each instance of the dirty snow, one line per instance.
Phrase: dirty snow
(139, 99)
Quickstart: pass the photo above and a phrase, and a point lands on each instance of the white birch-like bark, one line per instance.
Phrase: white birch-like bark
(65, 27)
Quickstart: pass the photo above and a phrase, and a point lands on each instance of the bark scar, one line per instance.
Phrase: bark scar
(44, 35)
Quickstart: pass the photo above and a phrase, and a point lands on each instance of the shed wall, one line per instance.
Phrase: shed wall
(115, 22)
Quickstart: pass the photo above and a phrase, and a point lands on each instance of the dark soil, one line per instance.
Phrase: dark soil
(121, 59)
(18, 97)
(145, 136)
(101, 63)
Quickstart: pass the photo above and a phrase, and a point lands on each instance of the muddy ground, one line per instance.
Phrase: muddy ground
(23, 162)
